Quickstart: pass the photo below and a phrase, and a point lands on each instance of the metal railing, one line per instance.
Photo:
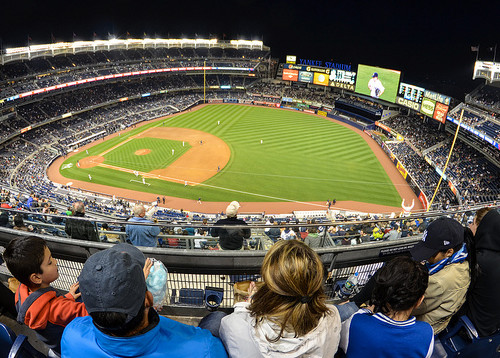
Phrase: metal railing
(191, 269)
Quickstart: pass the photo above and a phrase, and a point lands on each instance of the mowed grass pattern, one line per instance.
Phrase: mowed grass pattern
(159, 157)
(302, 158)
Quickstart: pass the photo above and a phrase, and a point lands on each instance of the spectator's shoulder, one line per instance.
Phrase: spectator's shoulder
(190, 335)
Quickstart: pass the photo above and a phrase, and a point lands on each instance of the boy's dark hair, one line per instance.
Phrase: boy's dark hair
(399, 285)
(18, 220)
(24, 256)
(113, 323)
(455, 248)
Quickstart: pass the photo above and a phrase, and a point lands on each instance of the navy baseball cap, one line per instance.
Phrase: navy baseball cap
(375, 74)
(113, 280)
(441, 234)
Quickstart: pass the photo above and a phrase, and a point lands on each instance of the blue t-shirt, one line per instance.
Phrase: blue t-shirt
(81, 339)
(376, 335)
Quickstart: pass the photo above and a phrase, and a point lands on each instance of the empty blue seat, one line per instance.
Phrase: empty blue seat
(22, 348)
(7, 338)
(462, 340)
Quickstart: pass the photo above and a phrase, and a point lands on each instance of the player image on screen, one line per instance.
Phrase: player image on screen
(375, 86)
(377, 82)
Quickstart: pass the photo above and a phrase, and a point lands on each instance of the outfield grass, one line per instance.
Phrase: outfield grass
(302, 158)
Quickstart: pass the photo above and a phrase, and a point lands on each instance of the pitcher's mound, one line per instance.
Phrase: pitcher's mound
(142, 151)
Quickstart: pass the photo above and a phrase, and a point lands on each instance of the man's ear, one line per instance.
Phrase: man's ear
(36, 278)
(449, 253)
(148, 300)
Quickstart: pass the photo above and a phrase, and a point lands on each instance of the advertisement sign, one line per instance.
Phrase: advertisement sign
(377, 123)
(440, 112)
(423, 200)
(438, 97)
(290, 75)
(306, 68)
(474, 131)
(452, 187)
(322, 113)
(377, 82)
(291, 59)
(428, 106)
(342, 79)
(407, 103)
(305, 76)
(401, 169)
(320, 79)
(25, 129)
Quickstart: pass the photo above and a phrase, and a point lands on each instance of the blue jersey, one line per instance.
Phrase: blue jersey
(376, 335)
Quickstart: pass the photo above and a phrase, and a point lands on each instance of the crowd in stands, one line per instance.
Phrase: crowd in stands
(19, 77)
(476, 178)
(407, 307)
(425, 176)
(485, 122)
(96, 112)
(361, 102)
(275, 91)
(421, 131)
(487, 96)
(175, 229)
(82, 99)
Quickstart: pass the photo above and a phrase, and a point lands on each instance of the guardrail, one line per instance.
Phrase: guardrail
(192, 269)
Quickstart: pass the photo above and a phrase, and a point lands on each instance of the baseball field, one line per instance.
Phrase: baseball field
(231, 152)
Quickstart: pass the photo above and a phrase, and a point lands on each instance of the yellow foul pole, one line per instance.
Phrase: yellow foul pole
(204, 80)
(447, 160)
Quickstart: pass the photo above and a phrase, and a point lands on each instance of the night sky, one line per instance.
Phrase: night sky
(429, 41)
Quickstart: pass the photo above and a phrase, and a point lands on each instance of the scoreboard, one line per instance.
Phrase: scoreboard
(411, 92)
(343, 76)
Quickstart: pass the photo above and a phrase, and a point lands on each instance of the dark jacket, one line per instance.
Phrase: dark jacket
(230, 238)
(81, 229)
(274, 233)
(482, 305)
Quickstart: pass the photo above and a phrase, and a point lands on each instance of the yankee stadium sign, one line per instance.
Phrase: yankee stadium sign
(338, 66)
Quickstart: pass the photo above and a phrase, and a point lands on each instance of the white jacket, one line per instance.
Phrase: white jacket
(242, 339)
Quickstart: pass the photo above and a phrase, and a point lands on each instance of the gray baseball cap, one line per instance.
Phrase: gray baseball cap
(113, 280)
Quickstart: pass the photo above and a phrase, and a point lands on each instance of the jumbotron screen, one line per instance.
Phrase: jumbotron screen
(377, 82)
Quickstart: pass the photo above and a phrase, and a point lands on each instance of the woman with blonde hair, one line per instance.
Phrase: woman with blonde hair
(287, 316)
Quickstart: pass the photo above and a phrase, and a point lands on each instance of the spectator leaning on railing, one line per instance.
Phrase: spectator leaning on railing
(80, 229)
(231, 238)
(142, 235)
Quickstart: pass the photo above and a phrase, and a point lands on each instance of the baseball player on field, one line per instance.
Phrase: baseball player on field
(375, 86)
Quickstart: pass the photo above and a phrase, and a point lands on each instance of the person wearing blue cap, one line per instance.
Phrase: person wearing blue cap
(122, 321)
(375, 86)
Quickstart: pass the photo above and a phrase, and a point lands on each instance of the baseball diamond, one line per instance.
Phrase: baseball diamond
(235, 152)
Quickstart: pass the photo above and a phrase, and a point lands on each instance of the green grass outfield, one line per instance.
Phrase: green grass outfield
(302, 158)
